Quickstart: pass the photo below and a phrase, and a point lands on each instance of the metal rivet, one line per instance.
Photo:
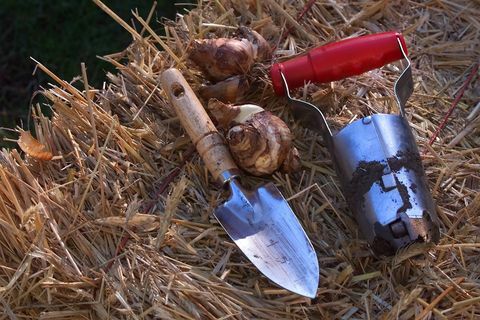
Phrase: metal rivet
(399, 229)
(366, 120)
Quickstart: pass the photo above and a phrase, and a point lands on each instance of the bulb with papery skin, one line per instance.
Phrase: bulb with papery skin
(229, 90)
(262, 49)
(222, 58)
(260, 142)
(226, 63)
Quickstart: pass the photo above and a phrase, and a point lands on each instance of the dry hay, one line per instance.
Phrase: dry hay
(118, 224)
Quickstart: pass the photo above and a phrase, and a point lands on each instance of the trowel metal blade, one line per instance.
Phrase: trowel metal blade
(264, 227)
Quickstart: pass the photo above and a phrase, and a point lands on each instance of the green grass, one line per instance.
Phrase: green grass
(61, 35)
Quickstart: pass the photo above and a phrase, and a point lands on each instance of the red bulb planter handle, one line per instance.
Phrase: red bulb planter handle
(339, 60)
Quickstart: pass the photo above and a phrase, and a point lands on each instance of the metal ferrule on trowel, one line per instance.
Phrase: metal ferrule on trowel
(376, 158)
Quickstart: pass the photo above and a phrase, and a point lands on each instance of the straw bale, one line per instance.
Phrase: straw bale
(118, 224)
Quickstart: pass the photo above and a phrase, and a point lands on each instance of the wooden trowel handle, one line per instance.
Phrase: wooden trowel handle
(209, 142)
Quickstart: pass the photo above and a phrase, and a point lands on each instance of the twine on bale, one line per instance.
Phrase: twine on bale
(454, 103)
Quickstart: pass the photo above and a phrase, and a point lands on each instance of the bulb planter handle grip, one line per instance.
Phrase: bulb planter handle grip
(339, 60)
(209, 143)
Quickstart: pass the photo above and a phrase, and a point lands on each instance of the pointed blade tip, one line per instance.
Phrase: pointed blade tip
(307, 291)
(308, 288)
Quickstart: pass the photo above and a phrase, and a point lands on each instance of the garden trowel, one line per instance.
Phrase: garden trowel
(260, 221)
